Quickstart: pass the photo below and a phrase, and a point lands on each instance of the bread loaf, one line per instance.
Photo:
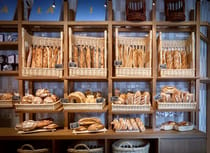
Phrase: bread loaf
(130, 57)
(27, 99)
(45, 58)
(29, 57)
(141, 57)
(77, 97)
(89, 121)
(33, 63)
(97, 58)
(75, 55)
(169, 60)
(134, 124)
(88, 57)
(102, 57)
(135, 58)
(59, 61)
(38, 57)
(125, 56)
(177, 59)
(96, 127)
(37, 100)
(140, 124)
(54, 56)
(82, 63)
(184, 59)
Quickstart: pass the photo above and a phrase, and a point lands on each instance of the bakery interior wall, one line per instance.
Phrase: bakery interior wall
(8, 117)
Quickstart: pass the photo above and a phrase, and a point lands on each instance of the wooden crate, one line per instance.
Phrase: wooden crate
(189, 48)
(89, 41)
(175, 10)
(135, 10)
(29, 40)
(146, 43)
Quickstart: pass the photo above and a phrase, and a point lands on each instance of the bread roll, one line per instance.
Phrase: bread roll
(42, 93)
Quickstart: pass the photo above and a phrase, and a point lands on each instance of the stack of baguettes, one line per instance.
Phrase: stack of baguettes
(43, 56)
(128, 124)
(88, 56)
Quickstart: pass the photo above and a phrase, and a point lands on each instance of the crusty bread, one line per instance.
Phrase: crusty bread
(89, 121)
(95, 127)
(77, 97)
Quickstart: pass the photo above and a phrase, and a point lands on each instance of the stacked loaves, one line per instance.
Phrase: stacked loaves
(130, 98)
(128, 124)
(87, 97)
(133, 56)
(90, 124)
(31, 125)
(42, 96)
(43, 57)
(175, 58)
(172, 94)
(88, 56)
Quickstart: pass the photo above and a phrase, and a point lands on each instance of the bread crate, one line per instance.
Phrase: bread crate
(133, 55)
(44, 61)
(174, 105)
(176, 57)
(89, 55)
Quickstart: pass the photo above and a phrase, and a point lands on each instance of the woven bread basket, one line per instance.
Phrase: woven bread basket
(27, 148)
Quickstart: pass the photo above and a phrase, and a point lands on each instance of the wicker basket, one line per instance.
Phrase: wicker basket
(83, 106)
(130, 146)
(48, 107)
(173, 105)
(29, 40)
(135, 10)
(86, 149)
(133, 41)
(175, 10)
(27, 148)
(189, 46)
(92, 41)
(120, 107)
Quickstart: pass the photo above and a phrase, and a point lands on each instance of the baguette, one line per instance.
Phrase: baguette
(89, 121)
(33, 64)
(95, 127)
(75, 55)
(88, 57)
(29, 57)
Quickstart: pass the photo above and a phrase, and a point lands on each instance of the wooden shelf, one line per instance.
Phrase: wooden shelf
(88, 23)
(133, 112)
(43, 23)
(88, 110)
(129, 23)
(40, 78)
(78, 78)
(9, 43)
(8, 46)
(9, 73)
(132, 78)
(168, 23)
(8, 22)
(176, 78)
(205, 80)
(11, 134)
(40, 111)
(204, 24)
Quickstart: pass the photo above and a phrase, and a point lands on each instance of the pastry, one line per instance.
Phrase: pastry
(89, 121)
(88, 57)
(37, 100)
(95, 127)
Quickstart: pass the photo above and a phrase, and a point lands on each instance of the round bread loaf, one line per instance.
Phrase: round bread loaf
(37, 100)
(76, 97)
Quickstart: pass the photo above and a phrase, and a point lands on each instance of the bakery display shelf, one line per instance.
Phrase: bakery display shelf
(131, 78)
(88, 23)
(176, 78)
(41, 111)
(40, 78)
(61, 134)
(9, 73)
(90, 110)
(86, 78)
(129, 23)
(8, 43)
(151, 111)
(43, 23)
(8, 23)
(205, 80)
(172, 24)
(6, 104)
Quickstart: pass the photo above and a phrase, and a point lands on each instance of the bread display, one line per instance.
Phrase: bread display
(179, 126)
(88, 97)
(137, 98)
(6, 96)
(172, 94)
(89, 124)
(128, 124)
(42, 96)
(30, 125)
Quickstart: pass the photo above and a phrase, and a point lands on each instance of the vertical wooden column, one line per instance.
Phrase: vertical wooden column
(110, 66)
(208, 95)
(154, 62)
(66, 59)
(197, 62)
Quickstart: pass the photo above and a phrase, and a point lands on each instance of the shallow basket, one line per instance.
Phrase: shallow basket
(83, 106)
(27, 148)
(130, 146)
(184, 128)
(75, 71)
(56, 72)
(86, 149)
(6, 103)
(50, 107)
(121, 107)
(177, 72)
(127, 71)
(173, 105)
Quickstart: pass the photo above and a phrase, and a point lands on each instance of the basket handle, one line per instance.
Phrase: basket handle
(126, 143)
(27, 145)
(81, 145)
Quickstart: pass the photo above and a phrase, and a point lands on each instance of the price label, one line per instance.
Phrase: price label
(117, 63)
(64, 100)
(157, 97)
(114, 98)
(72, 64)
(163, 66)
(59, 66)
(74, 125)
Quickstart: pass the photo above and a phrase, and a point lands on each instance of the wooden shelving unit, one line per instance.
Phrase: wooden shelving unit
(109, 25)
(8, 73)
